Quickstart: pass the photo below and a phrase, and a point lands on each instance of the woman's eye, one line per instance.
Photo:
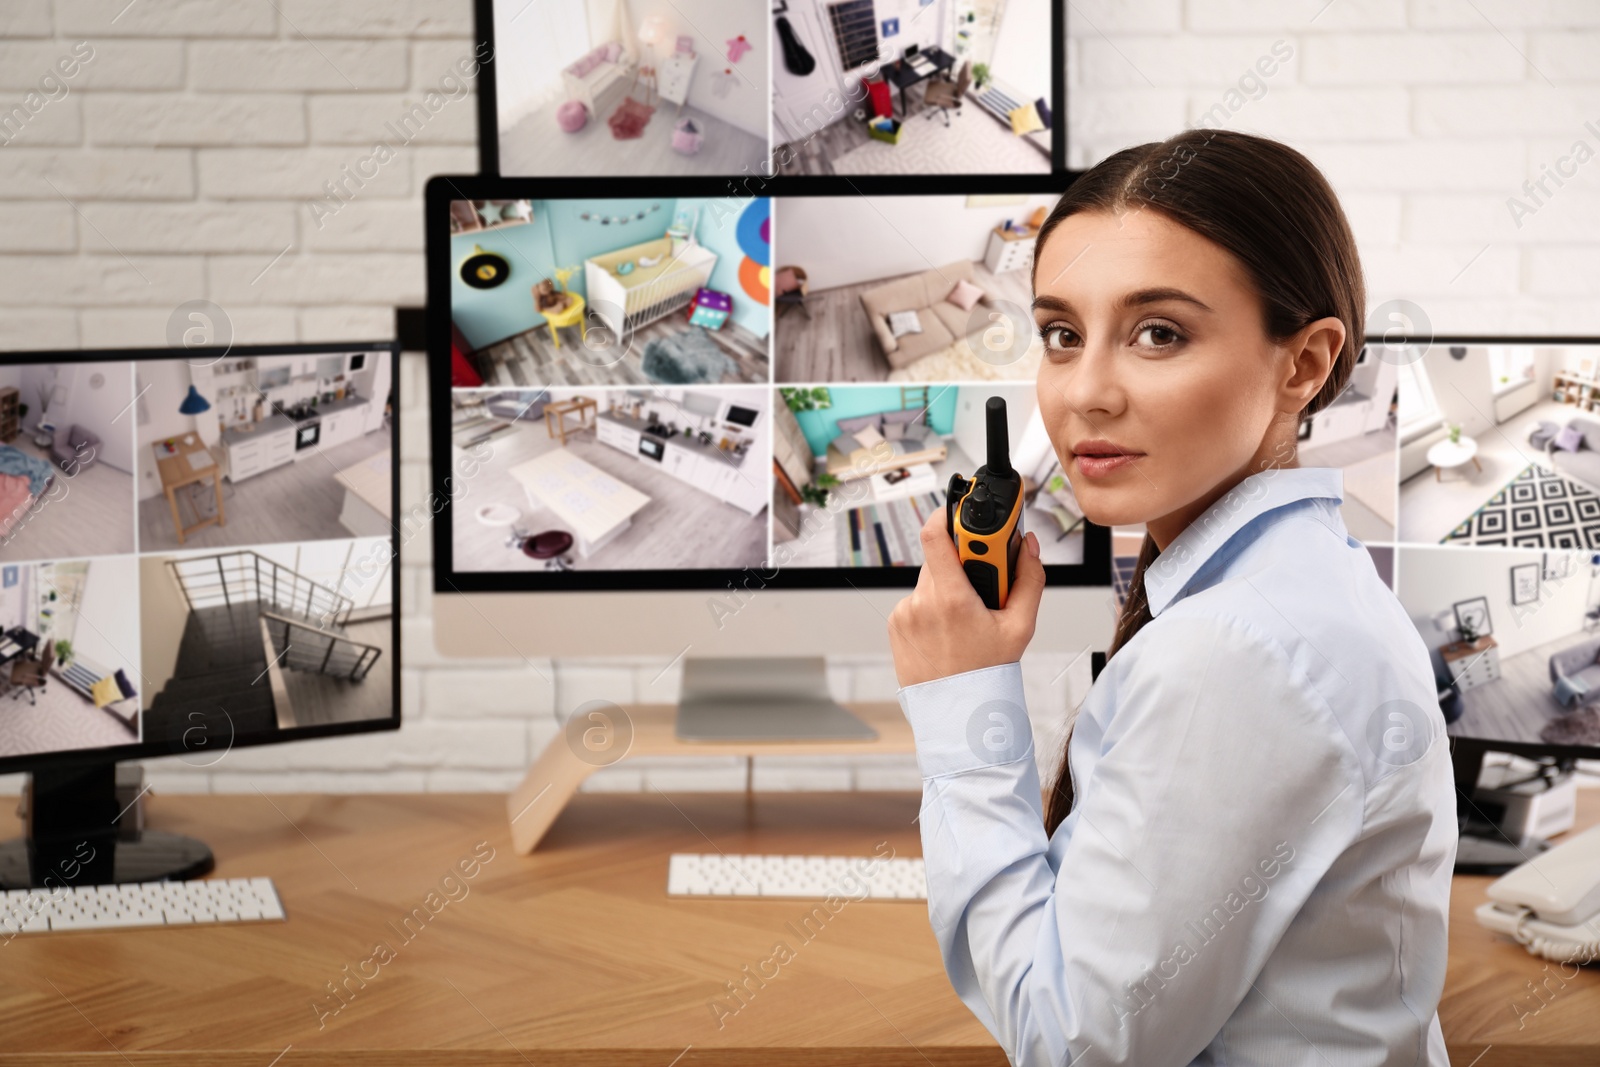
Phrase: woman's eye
(1057, 338)
(1158, 335)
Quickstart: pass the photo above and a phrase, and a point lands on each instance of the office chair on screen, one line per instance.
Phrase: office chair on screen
(946, 95)
(30, 674)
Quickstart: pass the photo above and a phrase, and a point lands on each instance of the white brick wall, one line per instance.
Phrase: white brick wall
(1426, 116)
(182, 157)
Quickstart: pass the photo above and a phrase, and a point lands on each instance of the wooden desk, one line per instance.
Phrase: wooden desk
(192, 463)
(572, 956)
(1487, 1002)
(575, 955)
(556, 412)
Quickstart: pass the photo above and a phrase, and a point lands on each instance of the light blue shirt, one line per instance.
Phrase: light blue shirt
(1257, 867)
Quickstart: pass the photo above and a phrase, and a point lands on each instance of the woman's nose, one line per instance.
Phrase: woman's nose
(1091, 381)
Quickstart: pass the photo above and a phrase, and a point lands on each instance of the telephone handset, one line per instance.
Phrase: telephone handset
(1551, 904)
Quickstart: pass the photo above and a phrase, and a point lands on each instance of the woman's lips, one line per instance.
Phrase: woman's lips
(1101, 466)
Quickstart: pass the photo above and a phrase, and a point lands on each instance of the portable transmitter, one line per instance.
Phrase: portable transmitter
(984, 515)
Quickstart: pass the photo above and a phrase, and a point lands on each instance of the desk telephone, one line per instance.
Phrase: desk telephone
(1551, 904)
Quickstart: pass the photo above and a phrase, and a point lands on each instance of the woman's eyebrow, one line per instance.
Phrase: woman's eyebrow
(1046, 302)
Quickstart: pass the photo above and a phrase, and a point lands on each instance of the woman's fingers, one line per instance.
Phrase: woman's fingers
(1027, 586)
(943, 627)
(940, 561)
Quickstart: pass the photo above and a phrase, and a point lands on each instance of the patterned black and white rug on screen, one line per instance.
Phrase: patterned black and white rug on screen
(1537, 509)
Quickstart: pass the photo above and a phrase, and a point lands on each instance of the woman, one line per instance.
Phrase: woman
(1248, 847)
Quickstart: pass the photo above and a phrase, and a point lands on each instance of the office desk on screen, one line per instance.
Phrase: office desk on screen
(574, 955)
(17, 642)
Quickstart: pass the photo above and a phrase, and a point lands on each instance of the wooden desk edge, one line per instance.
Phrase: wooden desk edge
(649, 730)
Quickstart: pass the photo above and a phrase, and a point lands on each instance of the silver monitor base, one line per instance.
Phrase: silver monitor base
(763, 699)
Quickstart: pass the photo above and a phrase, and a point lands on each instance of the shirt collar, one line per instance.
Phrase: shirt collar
(1170, 572)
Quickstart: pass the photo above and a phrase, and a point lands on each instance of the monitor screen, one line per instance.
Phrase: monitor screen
(1511, 635)
(749, 88)
(679, 88)
(618, 404)
(196, 550)
(1500, 527)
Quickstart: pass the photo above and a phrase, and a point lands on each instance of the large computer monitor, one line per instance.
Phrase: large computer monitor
(197, 554)
(1499, 516)
(622, 467)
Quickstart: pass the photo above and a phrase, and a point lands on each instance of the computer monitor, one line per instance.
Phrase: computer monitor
(1500, 532)
(197, 554)
(636, 469)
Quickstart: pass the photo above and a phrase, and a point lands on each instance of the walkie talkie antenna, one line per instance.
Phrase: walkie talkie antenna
(999, 462)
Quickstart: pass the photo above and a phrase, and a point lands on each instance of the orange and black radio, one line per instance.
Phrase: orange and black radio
(984, 515)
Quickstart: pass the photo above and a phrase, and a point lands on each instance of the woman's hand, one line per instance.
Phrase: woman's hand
(944, 628)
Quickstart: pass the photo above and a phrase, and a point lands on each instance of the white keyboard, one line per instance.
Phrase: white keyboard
(106, 907)
(714, 874)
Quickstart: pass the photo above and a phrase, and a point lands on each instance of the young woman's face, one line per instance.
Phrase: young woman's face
(1158, 383)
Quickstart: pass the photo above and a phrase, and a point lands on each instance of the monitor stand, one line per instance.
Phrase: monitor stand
(72, 837)
(762, 699)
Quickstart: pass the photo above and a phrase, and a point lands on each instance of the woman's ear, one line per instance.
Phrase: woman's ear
(1313, 352)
